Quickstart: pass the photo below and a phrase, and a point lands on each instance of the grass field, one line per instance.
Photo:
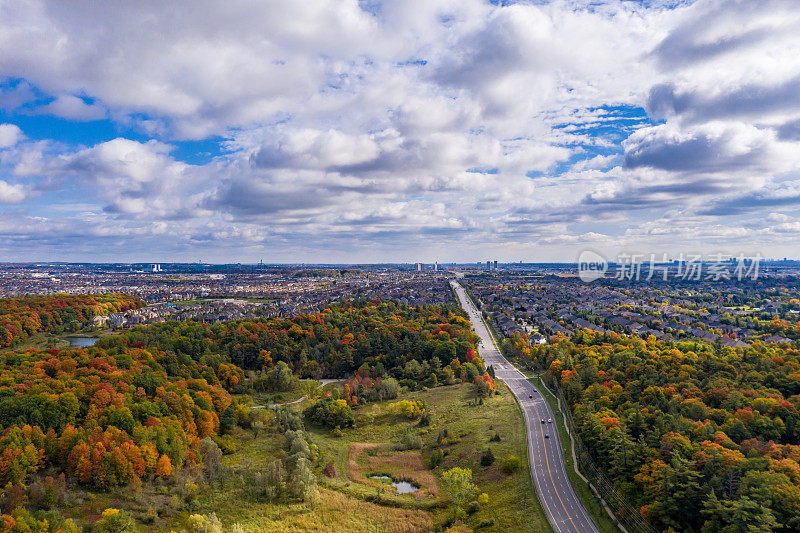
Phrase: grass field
(352, 501)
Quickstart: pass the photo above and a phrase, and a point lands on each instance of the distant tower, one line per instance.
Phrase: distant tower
(419, 267)
(488, 265)
(495, 264)
(436, 266)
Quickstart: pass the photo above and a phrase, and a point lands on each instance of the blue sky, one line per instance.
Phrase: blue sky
(339, 130)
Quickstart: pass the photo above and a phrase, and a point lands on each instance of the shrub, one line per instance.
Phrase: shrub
(510, 463)
(487, 459)
(486, 522)
(410, 442)
(198, 523)
(425, 420)
(473, 507)
(226, 444)
(435, 458)
(149, 516)
(495, 438)
(410, 409)
(115, 521)
(330, 471)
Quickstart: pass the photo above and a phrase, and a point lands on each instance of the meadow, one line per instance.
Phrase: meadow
(352, 501)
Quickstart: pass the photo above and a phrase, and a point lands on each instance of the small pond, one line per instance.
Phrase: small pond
(81, 342)
(403, 487)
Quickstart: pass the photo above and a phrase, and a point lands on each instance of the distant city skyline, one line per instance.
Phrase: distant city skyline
(369, 131)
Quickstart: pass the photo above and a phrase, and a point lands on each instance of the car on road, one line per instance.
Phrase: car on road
(550, 420)
(530, 395)
(542, 420)
(547, 435)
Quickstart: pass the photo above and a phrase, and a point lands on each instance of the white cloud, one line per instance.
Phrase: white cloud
(73, 108)
(11, 194)
(10, 135)
(418, 116)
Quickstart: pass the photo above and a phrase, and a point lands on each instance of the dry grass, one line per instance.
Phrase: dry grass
(337, 512)
(354, 472)
(405, 465)
(408, 466)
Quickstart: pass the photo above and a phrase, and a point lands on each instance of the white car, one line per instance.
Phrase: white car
(550, 420)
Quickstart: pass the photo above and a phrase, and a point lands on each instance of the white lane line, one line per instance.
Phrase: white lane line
(494, 357)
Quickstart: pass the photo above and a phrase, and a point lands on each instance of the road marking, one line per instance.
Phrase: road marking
(501, 362)
(549, 473)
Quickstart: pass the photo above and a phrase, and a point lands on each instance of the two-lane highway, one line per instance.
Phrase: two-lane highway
(564, 509)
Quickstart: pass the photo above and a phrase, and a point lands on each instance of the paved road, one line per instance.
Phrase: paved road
(560, 502)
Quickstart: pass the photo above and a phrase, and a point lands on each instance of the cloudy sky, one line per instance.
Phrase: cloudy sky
(397, 130)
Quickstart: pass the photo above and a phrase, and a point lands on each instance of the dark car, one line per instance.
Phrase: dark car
(542, 420)
(546, 436)
(530, 395)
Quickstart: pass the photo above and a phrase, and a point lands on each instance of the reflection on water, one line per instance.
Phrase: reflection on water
(81, 342)
(403, 487)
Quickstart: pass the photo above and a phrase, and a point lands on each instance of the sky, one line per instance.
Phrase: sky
(398, 130)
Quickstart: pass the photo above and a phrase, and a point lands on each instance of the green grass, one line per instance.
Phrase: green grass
(512, 501)
(590, 501)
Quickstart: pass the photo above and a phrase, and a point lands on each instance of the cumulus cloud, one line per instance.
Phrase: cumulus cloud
(73, 108)
(712, 147)
(748, 101)
(10, 134)
(11, 194)
(426, 122)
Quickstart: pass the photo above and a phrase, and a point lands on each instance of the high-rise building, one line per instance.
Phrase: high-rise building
(495, 264)
(436, 266)
(419, 267)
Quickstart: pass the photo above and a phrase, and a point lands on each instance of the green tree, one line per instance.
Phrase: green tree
(737, 516)
(510, 463)
(330, 413)
(458, 485)
(280, 377)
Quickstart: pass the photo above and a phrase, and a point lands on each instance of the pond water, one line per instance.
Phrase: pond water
(403, 487)
(81, 342)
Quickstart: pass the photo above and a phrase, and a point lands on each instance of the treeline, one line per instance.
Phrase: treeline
(26, 316)
(381, 338)
(700, 438)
